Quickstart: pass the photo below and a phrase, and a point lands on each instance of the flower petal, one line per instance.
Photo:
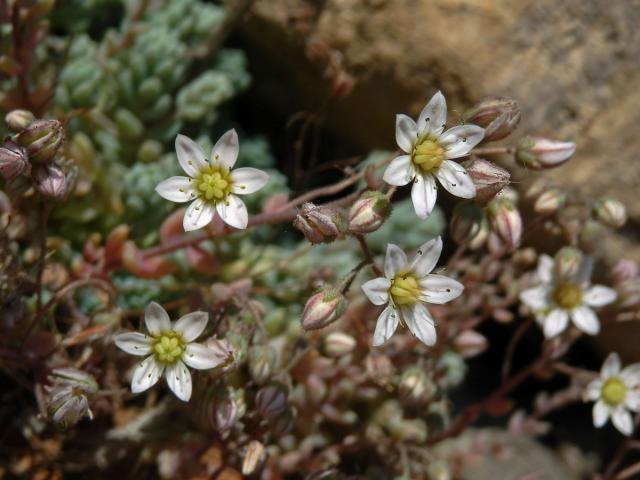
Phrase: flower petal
(536, 298)
(631, 375)
(190, 155)
(191, 325)
(146, 375)
(555, 323)
(460, 140)
(385, 326)
(233, 212)
(225, 151)
(406, 132)
(176, 189)
(611, 366)
(433, 117)
(599, 296)
(134, 343)
(439, 289)
(622, 420)
(200, 357)
(586, 320)
(632, 400)
(179, 380)
(600, 413)
(400, 171)
(198, 215)
(426, 257)
(420, 322)
(377, 290)
(545, 268)
(592, 391)
(456, 180)
(248, 180)
(394, 261)
(423, 195)
(583, 274)
(157, 319)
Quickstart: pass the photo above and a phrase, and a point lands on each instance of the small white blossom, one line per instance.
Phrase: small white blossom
(212, 186)
(428, 153)
(563, 296)
(168, 347)
(616, 393)
(406, 287)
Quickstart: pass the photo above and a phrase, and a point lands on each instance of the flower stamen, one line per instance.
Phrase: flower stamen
(427, 155)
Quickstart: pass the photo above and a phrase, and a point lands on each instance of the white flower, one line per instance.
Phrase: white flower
(168, 347)
(615, 393)
(212, 186)
(563, 296)
(428, 155)
(406, 287)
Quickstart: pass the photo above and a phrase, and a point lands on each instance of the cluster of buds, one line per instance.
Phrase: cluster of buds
(541, 153)
(368, 213)
(69, 395)
(319, 224)
(323, 308)
(498, 116)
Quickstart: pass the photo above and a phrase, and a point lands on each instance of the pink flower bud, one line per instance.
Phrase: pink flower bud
(499, 116)
(337, 344)
(323, 308)
(416, 387)
(610, 212)
(19, 120)
(13, 160)
(629, 293)
(550, 201)
(505, 221)
(42, 140)
(470, 343)
(319, 224)
(624, 270)
(368, 213)
(487, 177)
(466, 222)
(568, 261)
(540, 153)
(50, 181)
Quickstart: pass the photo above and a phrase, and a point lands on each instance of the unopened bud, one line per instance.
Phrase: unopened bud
(505, 221)
(536, 189)
(19, 120)
(629, 293)
(227, 409)
(262, 359)
(466, 222)
(319, 224)
(416, 387)
(541, 153)
(550, 201)
(487, 177)
(337, 344)
(42, 140)
(271, 400)
(69, 396)
(470, 343)
(568, 262)
(253, 457)
(50, 181)
(499, 116)
(13, 160)
(610, 212)
(624, 270)
(369, 212)
(323, 308)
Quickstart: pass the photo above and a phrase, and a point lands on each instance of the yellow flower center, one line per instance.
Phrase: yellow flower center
(168, 347)
(213, 184)
(613, 391)
(404, 289)
(427, 155)
(567, 295)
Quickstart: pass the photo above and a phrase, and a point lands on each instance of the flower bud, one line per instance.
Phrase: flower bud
(227, 409)
(369, 212)
(262, 359)
(50, 181)
(499, 116)
(505, 221)
(13, 160)
(337, 344)
(487, 177)
(540, 153)
(470, 343)
(550, 201)
(19, 120)
(42, 140)
(271, 400)
(323, 308)
(69, 396)
(568, 262)
(319, 224)
(253, 457)
(416, 387)
(466, 222)
(629, 293)
(610, 212)
(624, 270)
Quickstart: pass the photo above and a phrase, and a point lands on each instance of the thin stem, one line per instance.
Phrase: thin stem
(493, 151)
(368, 255)
(511, 348)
